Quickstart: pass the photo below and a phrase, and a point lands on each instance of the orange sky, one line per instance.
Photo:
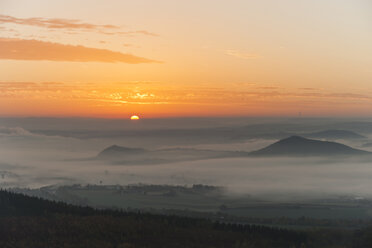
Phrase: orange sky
(190, 58)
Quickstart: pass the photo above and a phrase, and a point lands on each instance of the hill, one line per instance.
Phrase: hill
(334, 134)
(114, 150)
(299, 146)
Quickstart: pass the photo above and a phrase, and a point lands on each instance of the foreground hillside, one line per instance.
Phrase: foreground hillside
(32, 222)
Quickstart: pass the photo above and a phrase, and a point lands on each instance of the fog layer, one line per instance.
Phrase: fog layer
(35, 156)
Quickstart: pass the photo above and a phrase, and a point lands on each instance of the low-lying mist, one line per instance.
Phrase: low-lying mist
(29, 159)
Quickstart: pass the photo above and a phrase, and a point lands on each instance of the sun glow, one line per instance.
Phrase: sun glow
(134, 117)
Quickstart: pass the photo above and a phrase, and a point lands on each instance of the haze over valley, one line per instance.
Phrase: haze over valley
(41, 152)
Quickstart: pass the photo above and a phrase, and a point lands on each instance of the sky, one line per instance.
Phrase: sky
(168, 58)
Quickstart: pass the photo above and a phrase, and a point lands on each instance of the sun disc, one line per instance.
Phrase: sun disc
(134, 117)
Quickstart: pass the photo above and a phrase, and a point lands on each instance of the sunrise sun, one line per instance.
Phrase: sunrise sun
(134, 117)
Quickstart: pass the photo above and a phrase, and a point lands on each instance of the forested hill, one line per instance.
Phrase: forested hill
(32, 222)
(13, 204)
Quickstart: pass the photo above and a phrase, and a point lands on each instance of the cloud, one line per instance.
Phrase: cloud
(310, 89)
(242, 55)
(268, 87)
(71, 25)
(143, 32)
(151, 93)
(14, 131)
(54, 23)
(131, 33)
(21, 49)
(17, 132)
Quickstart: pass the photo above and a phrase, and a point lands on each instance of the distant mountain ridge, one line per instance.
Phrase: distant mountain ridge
(293, 146)
(127, 155)
(300, 146)
(335, 134)
(327, 134)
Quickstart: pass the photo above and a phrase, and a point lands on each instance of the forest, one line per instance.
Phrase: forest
(33, 222)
